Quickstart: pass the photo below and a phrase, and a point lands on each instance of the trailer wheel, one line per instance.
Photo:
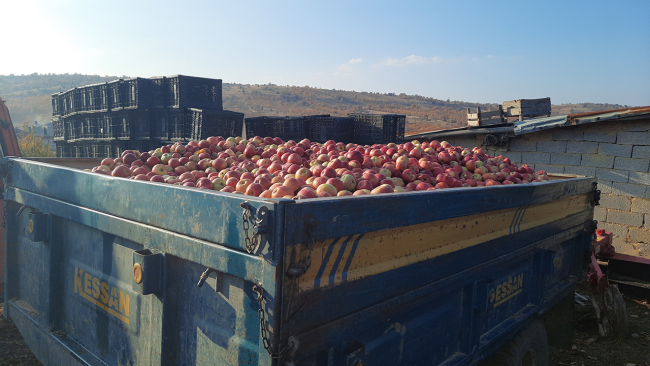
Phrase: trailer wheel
(528, 348)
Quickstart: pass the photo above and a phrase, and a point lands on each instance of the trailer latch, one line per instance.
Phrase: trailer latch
(596, 198)
(147, 271)
(38, 226)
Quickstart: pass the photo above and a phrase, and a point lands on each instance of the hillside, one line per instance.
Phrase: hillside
(29, 99)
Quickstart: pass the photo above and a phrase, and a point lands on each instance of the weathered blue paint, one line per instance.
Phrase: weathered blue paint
(76, 302)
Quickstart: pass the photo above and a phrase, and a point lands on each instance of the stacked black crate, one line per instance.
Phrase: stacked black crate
(372, 129)
(102, 119)
(287, 128)
(190, 108)
(256, 126)
(203, 123)
(324, 127)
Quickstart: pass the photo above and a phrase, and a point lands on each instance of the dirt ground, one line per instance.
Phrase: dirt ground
(589, 349)
(13, 349)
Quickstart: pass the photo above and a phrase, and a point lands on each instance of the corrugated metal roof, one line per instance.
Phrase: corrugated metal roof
(542, 123)
(538, 124)
(460, 131)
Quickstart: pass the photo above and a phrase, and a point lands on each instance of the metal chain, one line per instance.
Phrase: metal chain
(266, 341)
(251, 242)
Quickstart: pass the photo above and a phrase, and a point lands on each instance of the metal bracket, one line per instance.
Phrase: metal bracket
(261, 222)
(38, 226)
(147, 271)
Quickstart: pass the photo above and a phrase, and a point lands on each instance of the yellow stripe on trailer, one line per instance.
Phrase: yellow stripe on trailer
(354, 257)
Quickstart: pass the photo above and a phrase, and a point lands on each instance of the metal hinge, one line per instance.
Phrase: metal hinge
(260, 226)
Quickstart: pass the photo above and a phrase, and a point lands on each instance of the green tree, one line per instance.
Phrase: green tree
(32, 145)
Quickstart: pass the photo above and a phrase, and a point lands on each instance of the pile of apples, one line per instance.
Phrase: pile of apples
(271, 168)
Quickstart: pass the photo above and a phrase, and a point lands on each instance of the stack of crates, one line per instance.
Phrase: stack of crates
(286, 128)
(141, 112)
(360, 128)
(324, 128)
(378, 128)
(203, 123)
(255, 126)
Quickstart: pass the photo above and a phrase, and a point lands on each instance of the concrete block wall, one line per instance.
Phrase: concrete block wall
(617, 153)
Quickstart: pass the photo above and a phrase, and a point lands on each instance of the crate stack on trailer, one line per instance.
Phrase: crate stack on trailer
(103, 120)
(378, 128)
(360, 128)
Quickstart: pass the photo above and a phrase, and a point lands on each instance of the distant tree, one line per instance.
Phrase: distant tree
(32, 145)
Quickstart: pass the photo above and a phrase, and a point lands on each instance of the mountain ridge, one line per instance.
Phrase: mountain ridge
(29, 99)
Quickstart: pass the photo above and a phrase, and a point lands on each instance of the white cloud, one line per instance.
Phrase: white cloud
(355, 61)
(413, 59)
(345, 67)
(408, 60)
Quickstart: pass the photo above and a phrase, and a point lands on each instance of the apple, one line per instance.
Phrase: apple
(326, 187)
(282, 191)
(110, 163)
(337, 183)
(384, 188)
(121, 171)
(159, 169)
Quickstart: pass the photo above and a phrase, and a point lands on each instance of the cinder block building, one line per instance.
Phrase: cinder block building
(613, 146)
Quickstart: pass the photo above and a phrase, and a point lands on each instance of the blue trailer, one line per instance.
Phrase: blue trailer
(104, 271)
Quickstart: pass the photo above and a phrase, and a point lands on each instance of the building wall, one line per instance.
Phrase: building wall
(616, 152)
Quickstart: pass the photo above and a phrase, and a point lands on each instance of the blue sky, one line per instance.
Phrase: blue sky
(477, 51)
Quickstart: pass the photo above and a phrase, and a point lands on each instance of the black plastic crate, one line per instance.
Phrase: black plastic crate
(368, 128)
(68, 128)
(57, 105)
(401, 128)
(79, 150)
(90, 126)
(179, 124)
(116, 94)
(100, 149)
(98, 97)
(193, 92)
(256, 126)
(130, 93)
(323, 128)
(378, 128)
(58, 129)
(125, 124)
(62, 149)
(167, 124)
(73, 126)
(137, 93)
(70, 102)
(82, 97)
(287, 128)
(203, 123)
(158, 91)
(104, 130)
(159, 123)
